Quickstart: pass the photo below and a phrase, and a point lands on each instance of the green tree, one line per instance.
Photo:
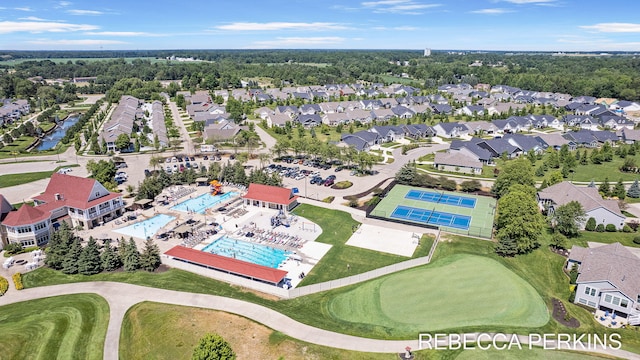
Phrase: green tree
(109, 257)
(591, 224)
(213, 347)
(619, 190)
(634, 190)
(520, 220)
(70, 262)
(131, 259)
(122, 142)
(568, 218)
(554, 177)
(532, 157)
(470, 185)
(58, 246)
(506, 247)
(407, 174)
(515, 172)
(89, 260)
(605, 188)
(559, 241)
(150, 256)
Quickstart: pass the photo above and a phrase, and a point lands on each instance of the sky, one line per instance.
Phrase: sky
(509, 25)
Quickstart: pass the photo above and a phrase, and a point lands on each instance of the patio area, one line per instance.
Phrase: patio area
(606, 318)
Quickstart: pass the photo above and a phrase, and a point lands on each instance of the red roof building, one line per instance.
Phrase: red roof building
(84, 202)
(227, 265)
(272, 197)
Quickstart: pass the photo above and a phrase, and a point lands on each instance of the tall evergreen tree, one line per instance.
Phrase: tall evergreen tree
(506, 247)
(150, 256)
(131, 260)
(58, 246)
(619, 190)
(634, 190)
(110, 258)
(605, 188)
(89, 260)
(70, 262)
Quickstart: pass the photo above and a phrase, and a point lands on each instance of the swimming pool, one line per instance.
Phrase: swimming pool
(146, 228)
(203, 202)
(246, 251)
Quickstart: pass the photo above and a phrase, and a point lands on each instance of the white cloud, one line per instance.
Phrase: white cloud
(7, 27)
(84, 12)
(407, 7)
(32, 18)
(397, 28)
(492, 11)
(271, 26)
(64, 3)
(75, 42)
(25, 8)
(122, 33)
(614, 27)
(299, 41)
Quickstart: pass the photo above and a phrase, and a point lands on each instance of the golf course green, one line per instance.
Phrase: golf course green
(458, 291)
(60, 327)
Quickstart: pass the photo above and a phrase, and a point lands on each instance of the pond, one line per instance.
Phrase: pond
(50, 141)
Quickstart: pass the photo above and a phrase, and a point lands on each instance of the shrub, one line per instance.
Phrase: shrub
(634, 225)
(636, 240)
(626, 228)
(591, 224)
(4, 285)
(573, 274)
(373, 201)
(343, 185)
(600, 228)
(13, 249)
(559, 241)
(17, 281)
(611, 228)
(328, 199)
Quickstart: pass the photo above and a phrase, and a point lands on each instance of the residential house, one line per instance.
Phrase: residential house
(402, 112)
(603, 211)
(471, 110)
(308, 121)
(472, 149)
(526, 143)
(157, 125)
(451, 130)
(121, 121)
(290, 110)
(582, 138)
(629, 136)
(361, 140)
(481, 127)
(308, 109)
(498, 147)
(360, 115)
(263, 112)
(556, 141)
(608, 280)
(333, 119)
(222, 131)
(388, 133)
(457, 162)
(418, 131)
(382, 114)
(444, 109)
(278, 120)
(616, 122)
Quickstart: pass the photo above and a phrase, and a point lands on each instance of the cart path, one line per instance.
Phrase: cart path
(121, 297)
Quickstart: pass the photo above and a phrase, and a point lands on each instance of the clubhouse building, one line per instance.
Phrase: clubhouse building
(271, 197)
(81, 202)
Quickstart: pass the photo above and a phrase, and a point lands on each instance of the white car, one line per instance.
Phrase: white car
(64, 171)
(299, 177)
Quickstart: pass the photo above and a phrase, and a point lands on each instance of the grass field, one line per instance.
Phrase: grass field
(455, 292)
(525, 354)
(23, 178)
(337, 229)
(61, 327)
(481, 216)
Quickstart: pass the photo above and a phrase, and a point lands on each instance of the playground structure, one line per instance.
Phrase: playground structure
(216, 187)
(280, 219)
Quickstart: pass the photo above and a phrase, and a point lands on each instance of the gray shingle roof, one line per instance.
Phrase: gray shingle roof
(565, 192)
(456, 159)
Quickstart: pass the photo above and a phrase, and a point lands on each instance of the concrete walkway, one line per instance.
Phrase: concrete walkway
(122, 296)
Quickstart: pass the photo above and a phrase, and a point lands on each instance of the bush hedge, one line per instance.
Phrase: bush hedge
(17, 281)
(600, 228)
(610, 228)
(4, 285)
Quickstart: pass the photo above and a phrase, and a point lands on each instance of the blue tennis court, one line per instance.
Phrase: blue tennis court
(442, 198)
(438, 218)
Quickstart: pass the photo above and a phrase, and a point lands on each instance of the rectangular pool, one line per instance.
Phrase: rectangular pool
(203, 202)
(247, 251)
(146, 228)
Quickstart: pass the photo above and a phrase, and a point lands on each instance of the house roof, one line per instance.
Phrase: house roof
(268, 193)
(565, 192)
(613, 263)
(555, 140)
(230, 265)
(499, 146)
(74, 191)
(456, 158)
(524, 142)
(5, 206)
(633, 135)
(25, 215)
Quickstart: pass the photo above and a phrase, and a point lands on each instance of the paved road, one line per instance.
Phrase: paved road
(122, 296)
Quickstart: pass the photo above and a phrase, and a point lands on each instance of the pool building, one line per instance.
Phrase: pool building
(271, 197)
(229, 265)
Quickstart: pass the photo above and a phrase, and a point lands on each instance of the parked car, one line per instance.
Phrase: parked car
(64, 171)
(299, 177)
(192, 158)
(205, 157)
(328, 182)
(168, 160)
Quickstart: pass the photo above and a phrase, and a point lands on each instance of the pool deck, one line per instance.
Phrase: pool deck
(253, 218)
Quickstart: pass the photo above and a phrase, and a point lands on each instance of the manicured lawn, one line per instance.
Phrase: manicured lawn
(160, 331)
(336, 229)
(625, 239)
(61, 327)
(524, 354)
(23, 178)
(455, 292)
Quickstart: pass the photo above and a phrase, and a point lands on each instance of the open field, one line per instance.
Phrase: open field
(337, 227)
(23, 178)
(159, 331)
(455, 292)
(61, 327)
